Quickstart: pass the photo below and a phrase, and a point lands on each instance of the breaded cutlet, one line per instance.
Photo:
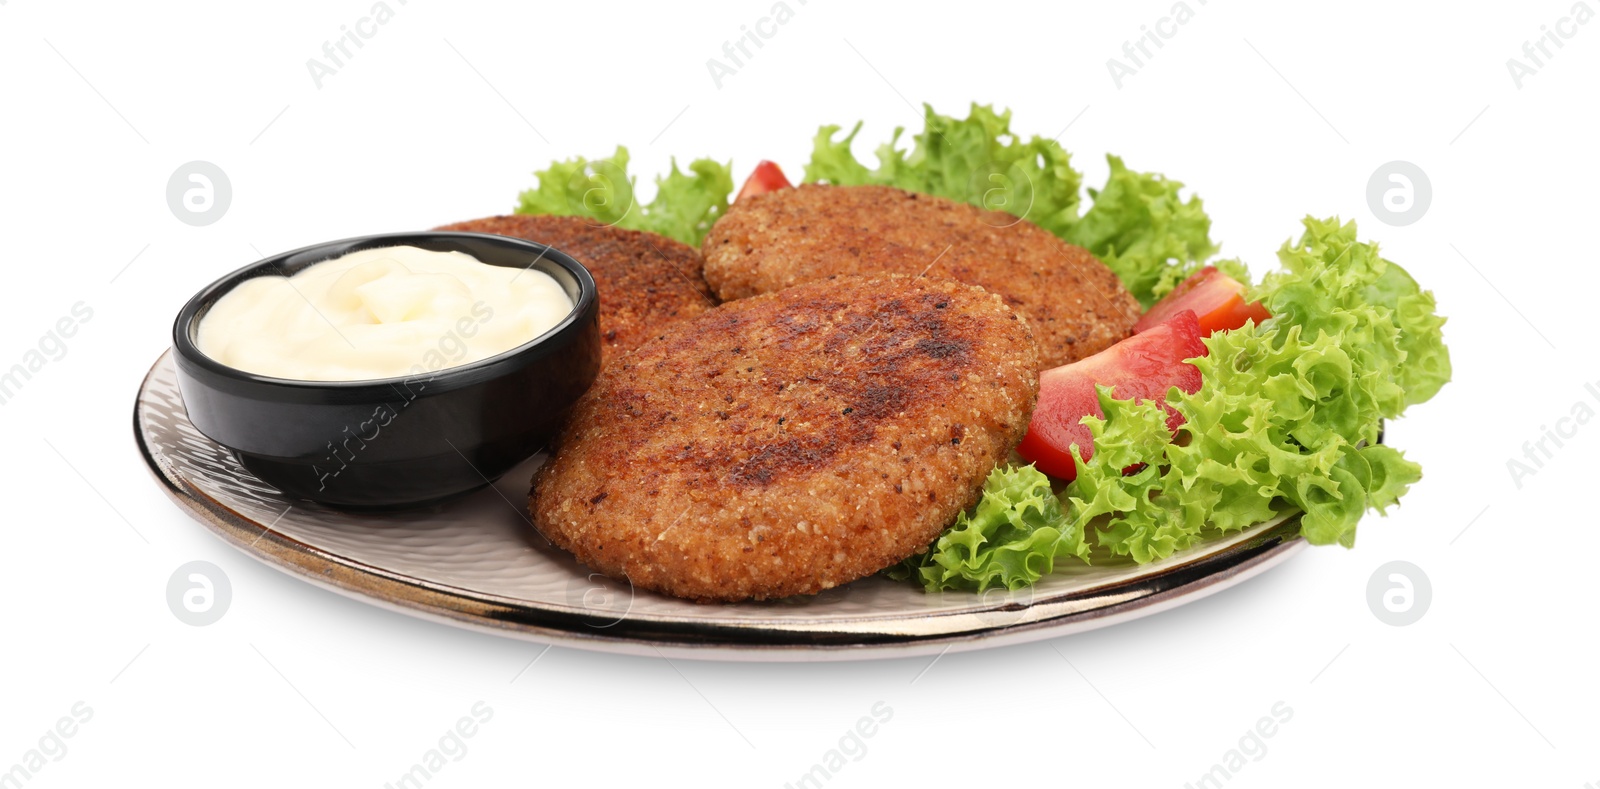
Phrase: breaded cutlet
(1075, 305)
(791, 442)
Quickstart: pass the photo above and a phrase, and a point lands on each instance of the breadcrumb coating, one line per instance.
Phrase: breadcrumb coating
(791, 442)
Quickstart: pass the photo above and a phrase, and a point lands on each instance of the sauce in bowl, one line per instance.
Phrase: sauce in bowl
(380, 313)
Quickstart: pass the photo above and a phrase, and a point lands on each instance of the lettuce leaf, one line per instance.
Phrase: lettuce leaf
(1281, 422)
(1138, 224)
(1331, 282)
(1128, 514)
(1286, 419)
(976, 160)
(1011, 538)
(684, 207)
(1142, 230)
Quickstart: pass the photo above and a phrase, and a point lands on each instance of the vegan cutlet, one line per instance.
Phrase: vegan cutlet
(1075, 305)
(791, 442)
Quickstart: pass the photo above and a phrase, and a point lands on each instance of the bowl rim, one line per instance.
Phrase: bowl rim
(188, 353)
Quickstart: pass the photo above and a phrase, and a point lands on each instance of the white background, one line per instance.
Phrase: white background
(1267, 111)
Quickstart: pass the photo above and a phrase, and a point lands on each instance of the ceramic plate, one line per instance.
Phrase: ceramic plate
(477, 562)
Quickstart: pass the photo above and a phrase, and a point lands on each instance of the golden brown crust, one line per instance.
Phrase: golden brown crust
(791, 442)
(646, 282)
(1074, 304)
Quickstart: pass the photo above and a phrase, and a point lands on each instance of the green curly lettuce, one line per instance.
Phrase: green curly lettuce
(1138, 224)
(1144, 231)
(1286, 420)
(1118, 497)
(1332, 282)
(1283, 423)
(974, 160)
(1012, 538)
(1289, 413)
(684, 207)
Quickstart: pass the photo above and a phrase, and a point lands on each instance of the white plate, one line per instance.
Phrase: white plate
(477, 562)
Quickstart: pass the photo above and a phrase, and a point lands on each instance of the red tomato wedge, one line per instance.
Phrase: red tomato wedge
(768, 177)
(1143, 366)
(1216, 299)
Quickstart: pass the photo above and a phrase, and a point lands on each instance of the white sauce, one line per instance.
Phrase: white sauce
(380, 313)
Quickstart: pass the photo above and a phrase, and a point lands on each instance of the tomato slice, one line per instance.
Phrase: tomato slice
(1216, 299)
(767, 177)
(1143, 366)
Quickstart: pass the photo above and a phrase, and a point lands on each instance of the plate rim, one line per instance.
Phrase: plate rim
(918, 634)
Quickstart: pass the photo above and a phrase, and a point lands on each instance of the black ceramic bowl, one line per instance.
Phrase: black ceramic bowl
(395, 441)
